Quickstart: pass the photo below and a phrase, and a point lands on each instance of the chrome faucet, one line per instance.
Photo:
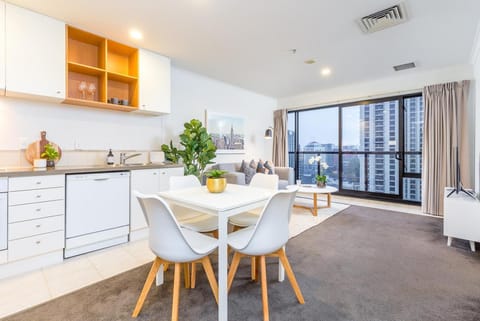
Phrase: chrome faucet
(124, 157)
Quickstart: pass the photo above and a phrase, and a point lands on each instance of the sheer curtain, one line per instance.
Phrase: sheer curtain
(445, 128)
(280, 138)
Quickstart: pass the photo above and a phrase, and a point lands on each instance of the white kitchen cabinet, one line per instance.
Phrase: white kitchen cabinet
(147, 181)
(36, 220)
(35, 55)
(154, 83)
(2, 47)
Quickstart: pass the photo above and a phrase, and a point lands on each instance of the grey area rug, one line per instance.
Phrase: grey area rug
(361, 264)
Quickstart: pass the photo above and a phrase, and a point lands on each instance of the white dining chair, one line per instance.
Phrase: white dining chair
(250, 218)
(173, 244)
(191, 219)
(266, 238)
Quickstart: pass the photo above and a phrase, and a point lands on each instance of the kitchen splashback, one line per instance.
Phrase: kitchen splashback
(16, 158)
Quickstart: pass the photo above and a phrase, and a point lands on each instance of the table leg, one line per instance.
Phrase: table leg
(329, 200)
(222, 268)
(315, 207)
(281, 270)
(159, 278)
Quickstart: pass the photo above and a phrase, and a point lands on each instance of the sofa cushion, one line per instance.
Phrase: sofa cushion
(249, 172)
(269, 166)
(260, 168)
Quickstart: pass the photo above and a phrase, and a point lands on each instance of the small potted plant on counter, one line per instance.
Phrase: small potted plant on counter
(216, 183)
(50, 154)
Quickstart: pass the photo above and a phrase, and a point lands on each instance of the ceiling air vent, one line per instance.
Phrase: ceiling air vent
(384, 19)
(404, 66)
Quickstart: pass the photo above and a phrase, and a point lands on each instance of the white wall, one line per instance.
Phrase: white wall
(405, 81)
(193, 94)
(91, 129)
(476, 95)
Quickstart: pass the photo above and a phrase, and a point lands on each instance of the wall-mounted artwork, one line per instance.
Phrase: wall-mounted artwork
(227, 131)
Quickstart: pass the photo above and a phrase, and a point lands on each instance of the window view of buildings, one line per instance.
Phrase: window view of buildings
(372, 146)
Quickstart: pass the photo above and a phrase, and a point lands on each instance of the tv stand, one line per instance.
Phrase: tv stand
(461, 217)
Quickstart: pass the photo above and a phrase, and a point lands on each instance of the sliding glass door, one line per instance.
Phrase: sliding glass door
(372, 149)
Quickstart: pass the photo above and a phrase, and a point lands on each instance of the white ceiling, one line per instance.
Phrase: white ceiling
(247, 43)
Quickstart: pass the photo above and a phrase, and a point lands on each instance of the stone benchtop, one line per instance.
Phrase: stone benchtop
(31, 171)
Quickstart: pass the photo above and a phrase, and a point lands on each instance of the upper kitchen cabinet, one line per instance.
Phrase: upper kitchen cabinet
(101, 73)
(35, 55)
(155, 83)
(2, 48)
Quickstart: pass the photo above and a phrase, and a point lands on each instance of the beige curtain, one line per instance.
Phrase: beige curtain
(280, 152)
(445, 128)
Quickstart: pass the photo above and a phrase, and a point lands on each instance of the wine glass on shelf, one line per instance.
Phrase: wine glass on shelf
(91, 90)
(82, 87)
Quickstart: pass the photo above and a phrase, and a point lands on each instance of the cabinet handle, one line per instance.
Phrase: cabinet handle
(38, 209)
(38, 225)
(38, 183)
(59, 91)
(37, 242)
(38, 196)
(155, 173)
(144, 105)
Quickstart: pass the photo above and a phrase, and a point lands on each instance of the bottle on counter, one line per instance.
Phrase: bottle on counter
(110, 158)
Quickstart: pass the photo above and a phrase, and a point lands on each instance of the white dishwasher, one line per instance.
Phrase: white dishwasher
(97, 213)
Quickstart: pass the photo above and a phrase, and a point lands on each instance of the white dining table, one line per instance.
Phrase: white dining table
(234, 200)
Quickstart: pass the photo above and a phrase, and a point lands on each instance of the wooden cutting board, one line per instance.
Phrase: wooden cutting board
(35, 149)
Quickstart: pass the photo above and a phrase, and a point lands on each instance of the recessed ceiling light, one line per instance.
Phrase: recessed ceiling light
(310, 61)
(326, 71)
(135, 34)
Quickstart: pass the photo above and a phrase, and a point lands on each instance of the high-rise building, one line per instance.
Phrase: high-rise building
(380, 134)
(412, 188)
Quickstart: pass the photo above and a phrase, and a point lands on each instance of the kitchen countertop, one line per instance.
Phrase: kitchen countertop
(31, 171)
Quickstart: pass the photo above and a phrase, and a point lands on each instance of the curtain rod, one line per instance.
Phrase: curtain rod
(344, 101)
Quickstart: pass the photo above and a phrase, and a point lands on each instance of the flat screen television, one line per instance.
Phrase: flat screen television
(458, 182)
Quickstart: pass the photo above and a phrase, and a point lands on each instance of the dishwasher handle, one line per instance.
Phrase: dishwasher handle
(101, 179)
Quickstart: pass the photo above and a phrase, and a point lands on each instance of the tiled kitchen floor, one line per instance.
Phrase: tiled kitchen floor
(33, 288)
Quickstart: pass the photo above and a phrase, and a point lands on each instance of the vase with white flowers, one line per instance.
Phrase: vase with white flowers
(320, 178)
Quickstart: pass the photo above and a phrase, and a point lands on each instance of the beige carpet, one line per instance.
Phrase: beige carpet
(302, 219)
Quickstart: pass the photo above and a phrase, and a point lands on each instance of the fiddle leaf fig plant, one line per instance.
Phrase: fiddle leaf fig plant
(198, 149)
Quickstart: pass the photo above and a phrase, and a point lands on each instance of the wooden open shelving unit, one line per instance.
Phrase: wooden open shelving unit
(106, 66)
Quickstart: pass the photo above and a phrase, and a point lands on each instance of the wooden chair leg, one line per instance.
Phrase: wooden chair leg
(207, 266)
(291, 276)
(253, 268)
(186, 275)
(146, 287)
(176, 291)
(193, 275)
(263, 268)
(215, 234)
(233, 268)
(165, 267)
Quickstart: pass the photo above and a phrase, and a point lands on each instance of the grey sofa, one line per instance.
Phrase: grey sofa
(286, 175)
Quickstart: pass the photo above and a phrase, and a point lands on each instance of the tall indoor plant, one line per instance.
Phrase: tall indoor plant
(198, 149)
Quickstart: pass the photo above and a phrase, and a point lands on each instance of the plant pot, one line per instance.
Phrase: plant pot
(216, 185)
(321, 184)
(50, 163)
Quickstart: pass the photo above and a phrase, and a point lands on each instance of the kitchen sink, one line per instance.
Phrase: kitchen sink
(132, 164)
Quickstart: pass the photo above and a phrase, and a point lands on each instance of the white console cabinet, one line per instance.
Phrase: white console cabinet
(461, 218)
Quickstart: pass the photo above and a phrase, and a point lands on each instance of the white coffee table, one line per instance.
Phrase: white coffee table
(313, 189)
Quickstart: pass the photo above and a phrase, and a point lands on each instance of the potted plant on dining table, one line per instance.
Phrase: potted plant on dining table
(216, 182)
